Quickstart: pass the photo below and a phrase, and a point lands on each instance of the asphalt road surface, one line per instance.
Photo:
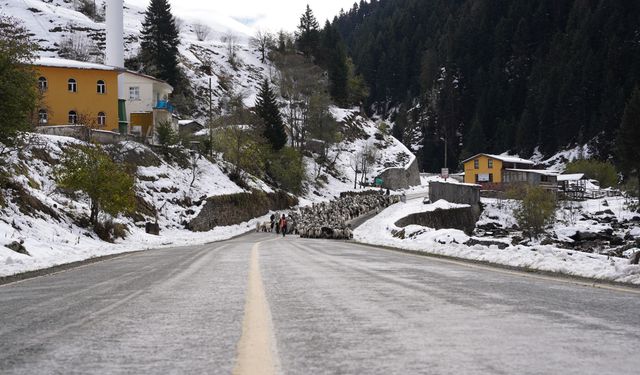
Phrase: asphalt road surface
(260, 304)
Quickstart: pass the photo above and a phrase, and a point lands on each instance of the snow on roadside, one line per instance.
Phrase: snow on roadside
(69, 245)
(52, 241)
(449, 242)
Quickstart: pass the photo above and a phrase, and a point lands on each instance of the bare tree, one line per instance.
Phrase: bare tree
(299, 81)
(194, 158)
(263, 42)
(179, 23)
(202, 31)
(77, 47)
(354, 163)
(368, 159)
(231, 41)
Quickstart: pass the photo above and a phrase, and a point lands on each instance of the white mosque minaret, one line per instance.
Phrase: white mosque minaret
(115, 34)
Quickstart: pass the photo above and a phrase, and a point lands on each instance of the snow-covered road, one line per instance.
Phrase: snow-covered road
(335, 308)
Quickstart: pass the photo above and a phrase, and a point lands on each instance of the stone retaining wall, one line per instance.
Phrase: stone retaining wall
(234, 209)
(401, 178)
(456, 218)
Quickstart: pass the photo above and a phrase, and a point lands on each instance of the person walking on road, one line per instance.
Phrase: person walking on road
(283, 225)
(273, 222)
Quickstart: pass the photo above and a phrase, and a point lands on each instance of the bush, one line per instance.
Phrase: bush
(287, 169)
(517, 191)
(536, 211)
(109, 231)
(384, 128)
(90, 170)
(604, 172)
(166, 135)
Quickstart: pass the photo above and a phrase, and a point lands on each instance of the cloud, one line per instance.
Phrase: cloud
(257, 14)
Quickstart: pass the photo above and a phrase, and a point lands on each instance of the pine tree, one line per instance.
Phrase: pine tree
(17, 79)
(334, 52)
(475, 140)
(628, 149)
(159, 45)
(267, 109)
(308, 33)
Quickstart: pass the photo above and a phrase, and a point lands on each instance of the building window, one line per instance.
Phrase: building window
(43, 85)
(490, 163)
(102, 87)
(476, 164)
(134, 93)
(43, 117)
(73, 117)
(72, 85)
(102, 119)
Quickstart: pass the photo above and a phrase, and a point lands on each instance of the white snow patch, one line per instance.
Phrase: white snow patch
(378, 231)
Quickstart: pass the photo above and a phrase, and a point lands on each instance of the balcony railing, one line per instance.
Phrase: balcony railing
(164, 104)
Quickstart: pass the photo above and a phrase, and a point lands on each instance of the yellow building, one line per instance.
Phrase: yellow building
(76, 92)
(487, 168)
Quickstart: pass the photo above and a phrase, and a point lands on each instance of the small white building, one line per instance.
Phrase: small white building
(147, 104)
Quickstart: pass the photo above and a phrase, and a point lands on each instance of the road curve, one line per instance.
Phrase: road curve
(333, 308)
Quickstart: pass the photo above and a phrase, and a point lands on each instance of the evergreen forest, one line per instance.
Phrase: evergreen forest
(496, 75)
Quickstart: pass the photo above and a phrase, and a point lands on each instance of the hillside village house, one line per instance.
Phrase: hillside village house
(80, 93)
(147, 104)
(487, 168)
(74, 92)
(499, 170)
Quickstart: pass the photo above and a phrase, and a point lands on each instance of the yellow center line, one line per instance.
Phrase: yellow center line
(257, 352)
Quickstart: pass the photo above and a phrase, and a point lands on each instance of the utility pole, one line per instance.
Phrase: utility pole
(445, 149)
(210, 102)
(210, 117)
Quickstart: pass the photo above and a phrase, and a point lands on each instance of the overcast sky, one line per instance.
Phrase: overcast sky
(259, 14)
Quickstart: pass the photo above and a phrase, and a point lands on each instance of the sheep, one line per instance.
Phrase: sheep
(330, 219)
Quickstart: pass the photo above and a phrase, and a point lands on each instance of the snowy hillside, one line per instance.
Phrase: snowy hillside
(50, 222)
(53, 21)
(359, 134)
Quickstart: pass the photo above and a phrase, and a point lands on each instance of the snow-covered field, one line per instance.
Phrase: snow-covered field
(448, 242)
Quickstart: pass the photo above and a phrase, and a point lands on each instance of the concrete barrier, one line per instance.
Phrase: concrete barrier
(455, 193)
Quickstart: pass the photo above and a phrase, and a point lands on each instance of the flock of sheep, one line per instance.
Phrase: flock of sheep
(331, 220)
